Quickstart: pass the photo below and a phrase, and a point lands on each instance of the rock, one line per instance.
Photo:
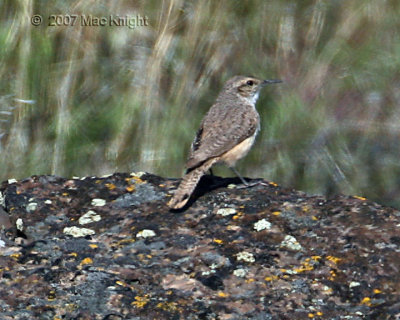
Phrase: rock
(4, 220)
(259, 253)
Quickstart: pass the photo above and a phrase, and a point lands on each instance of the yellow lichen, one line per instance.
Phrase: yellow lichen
(51, 295)
(366, 301)
(140, 302)
(86, 261)
(360, 198)
(271, 278)
(377, 291)
(121, 283)
(93, 246)
(125, 242)
(219, 241)
(305, 266)
(333, 259)
(70, 307)
(15, 255)
(167, 306)
(276, 213)
(222, 294)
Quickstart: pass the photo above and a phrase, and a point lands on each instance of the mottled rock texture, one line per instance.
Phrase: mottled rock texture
(109, 248)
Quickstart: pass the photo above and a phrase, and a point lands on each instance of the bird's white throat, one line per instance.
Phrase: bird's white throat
(251, 100)
(255, 98)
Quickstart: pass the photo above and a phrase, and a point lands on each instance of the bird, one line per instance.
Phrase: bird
(226, 134)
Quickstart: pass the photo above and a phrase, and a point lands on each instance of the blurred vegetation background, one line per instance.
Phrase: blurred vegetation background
(80, 100)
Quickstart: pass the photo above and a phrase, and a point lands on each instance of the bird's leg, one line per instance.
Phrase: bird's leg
(211, 172)
(247, 184)
(239, 176)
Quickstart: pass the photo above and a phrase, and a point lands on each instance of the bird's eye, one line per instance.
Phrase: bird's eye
(250, 82)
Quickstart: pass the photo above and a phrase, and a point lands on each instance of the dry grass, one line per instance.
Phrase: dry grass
(94, 100)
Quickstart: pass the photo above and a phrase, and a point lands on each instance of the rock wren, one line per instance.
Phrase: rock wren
(226, 133)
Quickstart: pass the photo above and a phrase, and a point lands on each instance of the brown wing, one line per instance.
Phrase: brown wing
(221, 130)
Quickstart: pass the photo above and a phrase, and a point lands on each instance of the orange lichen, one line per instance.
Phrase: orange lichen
(110, 186)
(134, 179)
(333, 275)
(238, 215)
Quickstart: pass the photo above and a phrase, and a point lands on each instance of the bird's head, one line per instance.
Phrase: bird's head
(247, 87)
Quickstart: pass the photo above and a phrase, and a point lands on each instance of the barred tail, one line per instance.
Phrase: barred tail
(188, 184)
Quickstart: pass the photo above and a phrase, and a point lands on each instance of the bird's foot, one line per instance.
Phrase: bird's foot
(247, 184)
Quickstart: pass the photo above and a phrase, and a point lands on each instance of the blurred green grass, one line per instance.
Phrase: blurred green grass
(109, 99)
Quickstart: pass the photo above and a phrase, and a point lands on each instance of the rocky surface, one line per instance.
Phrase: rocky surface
(109, 248)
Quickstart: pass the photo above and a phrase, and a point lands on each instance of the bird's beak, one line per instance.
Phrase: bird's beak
(265, 82)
